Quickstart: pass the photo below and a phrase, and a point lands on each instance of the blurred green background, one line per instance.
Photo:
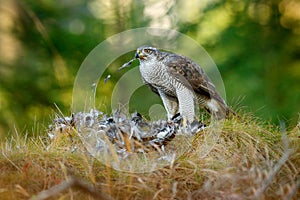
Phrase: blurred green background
(255, 44)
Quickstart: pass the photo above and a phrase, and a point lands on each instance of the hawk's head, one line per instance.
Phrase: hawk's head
(146, 53)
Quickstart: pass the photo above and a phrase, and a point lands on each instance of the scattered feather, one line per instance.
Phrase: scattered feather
(127, 64)
(120, 135)
(107, 78)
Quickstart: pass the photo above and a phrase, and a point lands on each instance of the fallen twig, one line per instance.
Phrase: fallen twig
(71, 182)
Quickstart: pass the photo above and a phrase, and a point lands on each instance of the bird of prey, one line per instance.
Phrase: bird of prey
(180, 82)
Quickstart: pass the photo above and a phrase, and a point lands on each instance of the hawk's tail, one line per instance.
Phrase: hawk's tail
(219, 109)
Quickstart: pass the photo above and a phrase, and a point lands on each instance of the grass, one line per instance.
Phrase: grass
(246, 160)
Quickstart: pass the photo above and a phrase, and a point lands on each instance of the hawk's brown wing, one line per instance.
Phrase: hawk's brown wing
(192, 75)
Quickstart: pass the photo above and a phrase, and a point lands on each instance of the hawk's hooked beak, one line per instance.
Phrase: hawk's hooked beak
(139, 55)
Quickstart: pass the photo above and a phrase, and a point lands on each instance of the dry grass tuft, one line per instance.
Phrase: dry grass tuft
(245, 160)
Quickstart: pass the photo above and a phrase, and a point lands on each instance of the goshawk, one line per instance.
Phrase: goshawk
(180, 83)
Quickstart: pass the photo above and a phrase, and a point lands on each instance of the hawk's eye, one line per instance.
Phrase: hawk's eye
(147, 50)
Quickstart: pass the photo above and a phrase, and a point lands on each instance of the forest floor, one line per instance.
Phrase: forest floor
(249, 159)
